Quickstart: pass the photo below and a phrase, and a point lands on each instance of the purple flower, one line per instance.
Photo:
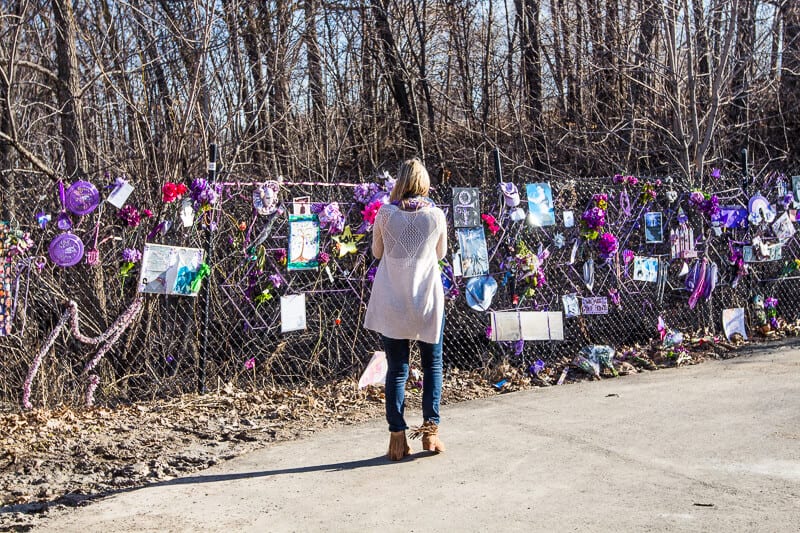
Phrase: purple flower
(770, 302)
(594, 218)
(323, 258)
(130, 215)
(716, 173)
(696, 198)
(276, 280)
(250, 363)
(131, 255)
(619, 178)
(607, 245)
(371, 274)
(364, 192)
(787, 200)
(331, 217)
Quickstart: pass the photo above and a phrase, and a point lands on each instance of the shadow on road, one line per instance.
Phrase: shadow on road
(381, 460)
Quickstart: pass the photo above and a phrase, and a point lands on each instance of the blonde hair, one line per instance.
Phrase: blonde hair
(412, 180)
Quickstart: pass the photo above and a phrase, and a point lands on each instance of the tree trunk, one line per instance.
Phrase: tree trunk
(528, 15)
(396, 72)
(73, 139)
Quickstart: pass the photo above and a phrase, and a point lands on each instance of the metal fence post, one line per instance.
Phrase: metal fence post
(201, 370)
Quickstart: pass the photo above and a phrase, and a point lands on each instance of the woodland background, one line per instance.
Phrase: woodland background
(321, 89)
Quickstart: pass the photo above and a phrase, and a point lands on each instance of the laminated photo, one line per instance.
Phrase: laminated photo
(466, 207)
(540, 204)
(303, 242)
(571, 306)
(783, 227)
(474, 256)
(653, 228)
(645, 269)
(169, 269)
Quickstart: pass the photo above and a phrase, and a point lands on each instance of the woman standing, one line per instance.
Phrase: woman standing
(407, 300)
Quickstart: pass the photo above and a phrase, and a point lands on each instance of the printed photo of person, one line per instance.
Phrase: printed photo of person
(653, 229)
(474, 256)
(540, 204)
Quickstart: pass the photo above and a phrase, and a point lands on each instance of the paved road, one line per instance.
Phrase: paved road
(714, 447)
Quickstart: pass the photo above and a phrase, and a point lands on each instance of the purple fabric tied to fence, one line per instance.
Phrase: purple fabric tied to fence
(701, 280)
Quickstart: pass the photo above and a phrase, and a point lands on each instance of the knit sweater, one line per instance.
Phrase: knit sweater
(407, 300)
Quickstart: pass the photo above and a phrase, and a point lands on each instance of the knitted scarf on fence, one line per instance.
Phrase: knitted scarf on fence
(108, 338)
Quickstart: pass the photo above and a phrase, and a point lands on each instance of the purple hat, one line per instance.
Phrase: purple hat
(66, 249)
(82, 198)
(510, 193)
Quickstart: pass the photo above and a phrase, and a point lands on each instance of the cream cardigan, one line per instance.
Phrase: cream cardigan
(407, 300)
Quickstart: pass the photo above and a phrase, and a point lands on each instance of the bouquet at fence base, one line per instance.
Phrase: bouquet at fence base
(771, 310)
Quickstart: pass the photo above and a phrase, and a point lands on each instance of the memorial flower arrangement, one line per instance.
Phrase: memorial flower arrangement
(172, 191)
(707, 204)
(593, 220)
(130, 256)
(771, 308)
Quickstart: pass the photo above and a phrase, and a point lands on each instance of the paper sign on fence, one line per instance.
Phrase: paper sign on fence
(733, 322)
(293, 312)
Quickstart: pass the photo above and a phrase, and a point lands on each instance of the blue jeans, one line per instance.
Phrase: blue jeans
(397, 352)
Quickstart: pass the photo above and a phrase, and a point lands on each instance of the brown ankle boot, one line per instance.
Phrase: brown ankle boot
(398, 446)
(430, 437)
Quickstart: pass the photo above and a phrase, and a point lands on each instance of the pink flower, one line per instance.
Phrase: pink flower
(250, 363)
(371, 211)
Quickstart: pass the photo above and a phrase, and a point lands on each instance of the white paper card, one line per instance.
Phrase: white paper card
(569, 219)
(120, 194)
(457, 272)
(293, 312)
(375, 373)
(571, 306)
(187, 213)
(733, 322)
(645, 268)
(527, 325)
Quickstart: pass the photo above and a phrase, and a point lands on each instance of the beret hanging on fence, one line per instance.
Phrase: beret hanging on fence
(66, 249)
(480, 291)
(81, 198)
(510, 194)
(265, 198)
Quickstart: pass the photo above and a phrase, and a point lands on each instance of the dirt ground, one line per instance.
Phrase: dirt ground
(65, 457)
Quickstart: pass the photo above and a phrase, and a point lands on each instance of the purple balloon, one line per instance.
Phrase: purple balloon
(66, 249)
(82, 198)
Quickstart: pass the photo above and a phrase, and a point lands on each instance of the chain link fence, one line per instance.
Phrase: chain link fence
(227, 335)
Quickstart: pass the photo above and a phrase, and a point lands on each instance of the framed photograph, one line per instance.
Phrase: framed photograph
(783, 227)
(169, 269)
(466, 207)
(753, 254)
(540, 204)
(645, 268)
(653, 228)
(474, 256)
(303, 242)
(796, 190)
